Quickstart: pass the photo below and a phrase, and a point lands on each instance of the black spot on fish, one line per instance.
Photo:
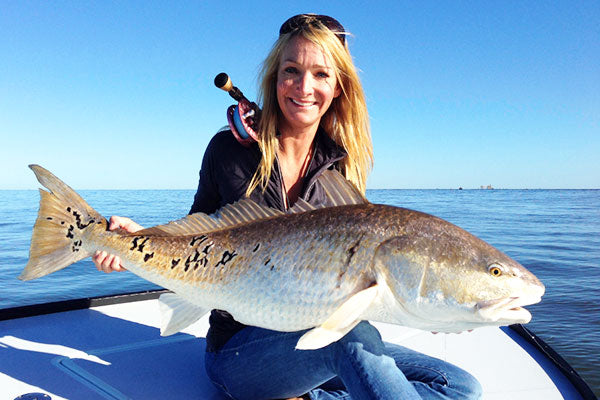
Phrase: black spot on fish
(62, 222)
(49, 218)
(139, 246)
(83, 226)
(207, 248)
(226, 257)
(189, 260)
(267, 261)
(77, 217)
(256, 248)
(196, 256)
(199, 239)
(203, 262)
(70, 232)
(199, 258)
(175, 262)
(76, 246)
(148, 256)
(134, 242)
(78, 221)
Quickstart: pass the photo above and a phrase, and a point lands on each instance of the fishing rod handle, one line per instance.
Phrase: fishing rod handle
(223, 81)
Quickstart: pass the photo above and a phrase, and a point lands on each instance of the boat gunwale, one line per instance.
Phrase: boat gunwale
(556, 359)
(34, 310)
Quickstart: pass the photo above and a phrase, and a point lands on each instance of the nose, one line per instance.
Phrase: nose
(304, 83)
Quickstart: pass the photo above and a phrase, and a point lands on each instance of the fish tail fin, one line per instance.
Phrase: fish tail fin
(61, 228)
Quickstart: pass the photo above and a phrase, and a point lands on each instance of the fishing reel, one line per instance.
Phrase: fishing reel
(242, 118)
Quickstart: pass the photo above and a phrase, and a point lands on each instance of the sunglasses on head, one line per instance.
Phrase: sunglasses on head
(303, 20)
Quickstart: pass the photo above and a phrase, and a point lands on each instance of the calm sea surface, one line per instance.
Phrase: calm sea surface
(554, 233)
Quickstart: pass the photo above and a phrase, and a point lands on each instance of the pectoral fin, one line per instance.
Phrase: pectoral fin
(340, 322)
(177, 313)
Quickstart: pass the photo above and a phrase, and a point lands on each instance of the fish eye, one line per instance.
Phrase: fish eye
(495, 269)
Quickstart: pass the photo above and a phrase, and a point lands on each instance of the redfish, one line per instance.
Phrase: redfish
(318, 268)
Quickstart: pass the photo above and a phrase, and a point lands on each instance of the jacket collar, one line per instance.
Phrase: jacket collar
(326, 152)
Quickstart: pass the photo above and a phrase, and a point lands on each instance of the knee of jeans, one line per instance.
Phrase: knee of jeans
(467, 385)
(364, 336)
(211, 372)
(475, 389)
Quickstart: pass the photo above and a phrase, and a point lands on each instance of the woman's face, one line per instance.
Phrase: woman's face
(306, 85)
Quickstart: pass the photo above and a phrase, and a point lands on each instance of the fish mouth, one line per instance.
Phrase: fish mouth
(507, 310)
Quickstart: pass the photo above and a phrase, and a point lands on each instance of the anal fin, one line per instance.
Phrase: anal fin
(177, 314)
(342, 321)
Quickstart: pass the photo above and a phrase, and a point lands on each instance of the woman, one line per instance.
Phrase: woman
(314, 117)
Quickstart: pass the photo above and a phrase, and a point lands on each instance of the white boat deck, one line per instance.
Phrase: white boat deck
(116, 352)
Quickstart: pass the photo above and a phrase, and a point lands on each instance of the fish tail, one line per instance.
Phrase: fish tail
(62, 227)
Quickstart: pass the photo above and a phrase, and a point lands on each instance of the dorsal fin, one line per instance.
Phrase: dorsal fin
(189, 225)
(339, 190)
(301, 206)
(244, 210)
(230, 215)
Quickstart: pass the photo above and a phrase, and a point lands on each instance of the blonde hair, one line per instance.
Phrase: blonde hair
(346, 121)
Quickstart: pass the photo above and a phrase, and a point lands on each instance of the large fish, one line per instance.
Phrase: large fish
(322, 268)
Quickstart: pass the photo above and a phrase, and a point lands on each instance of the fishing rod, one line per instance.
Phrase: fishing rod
(242, 118)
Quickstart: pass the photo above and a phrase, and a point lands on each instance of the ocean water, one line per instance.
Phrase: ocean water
(554, 233)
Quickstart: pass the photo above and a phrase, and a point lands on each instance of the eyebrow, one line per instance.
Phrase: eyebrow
(314, 66)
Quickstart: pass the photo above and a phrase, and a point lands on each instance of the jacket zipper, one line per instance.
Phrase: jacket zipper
(284, 202)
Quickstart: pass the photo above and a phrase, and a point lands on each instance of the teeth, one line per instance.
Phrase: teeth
(302, 103)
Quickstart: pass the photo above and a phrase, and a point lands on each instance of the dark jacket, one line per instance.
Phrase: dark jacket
(227, 169)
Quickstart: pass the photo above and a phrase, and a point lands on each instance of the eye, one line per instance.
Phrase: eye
(323, 75)
(495, 269)
(290, 70)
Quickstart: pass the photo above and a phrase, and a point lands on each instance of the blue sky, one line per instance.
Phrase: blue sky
(119, 94)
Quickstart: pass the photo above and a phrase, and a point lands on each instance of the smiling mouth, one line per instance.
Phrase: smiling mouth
(302, 103)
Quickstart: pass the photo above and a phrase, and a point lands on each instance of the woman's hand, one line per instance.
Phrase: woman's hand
(110, 262)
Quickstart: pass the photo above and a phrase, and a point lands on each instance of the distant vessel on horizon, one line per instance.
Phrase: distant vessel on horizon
(488, 187)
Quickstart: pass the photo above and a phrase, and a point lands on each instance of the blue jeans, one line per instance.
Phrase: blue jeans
(262, 364)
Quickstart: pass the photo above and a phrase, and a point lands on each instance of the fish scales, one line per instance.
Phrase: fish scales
(314, 268)
(326, 268)
(254, 266)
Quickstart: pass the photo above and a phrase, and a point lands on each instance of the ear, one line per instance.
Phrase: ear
(337, 91)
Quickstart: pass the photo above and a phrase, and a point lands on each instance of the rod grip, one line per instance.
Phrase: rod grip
(223, 81)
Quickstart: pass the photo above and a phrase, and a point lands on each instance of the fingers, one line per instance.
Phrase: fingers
(124, 223)
(107, 262)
